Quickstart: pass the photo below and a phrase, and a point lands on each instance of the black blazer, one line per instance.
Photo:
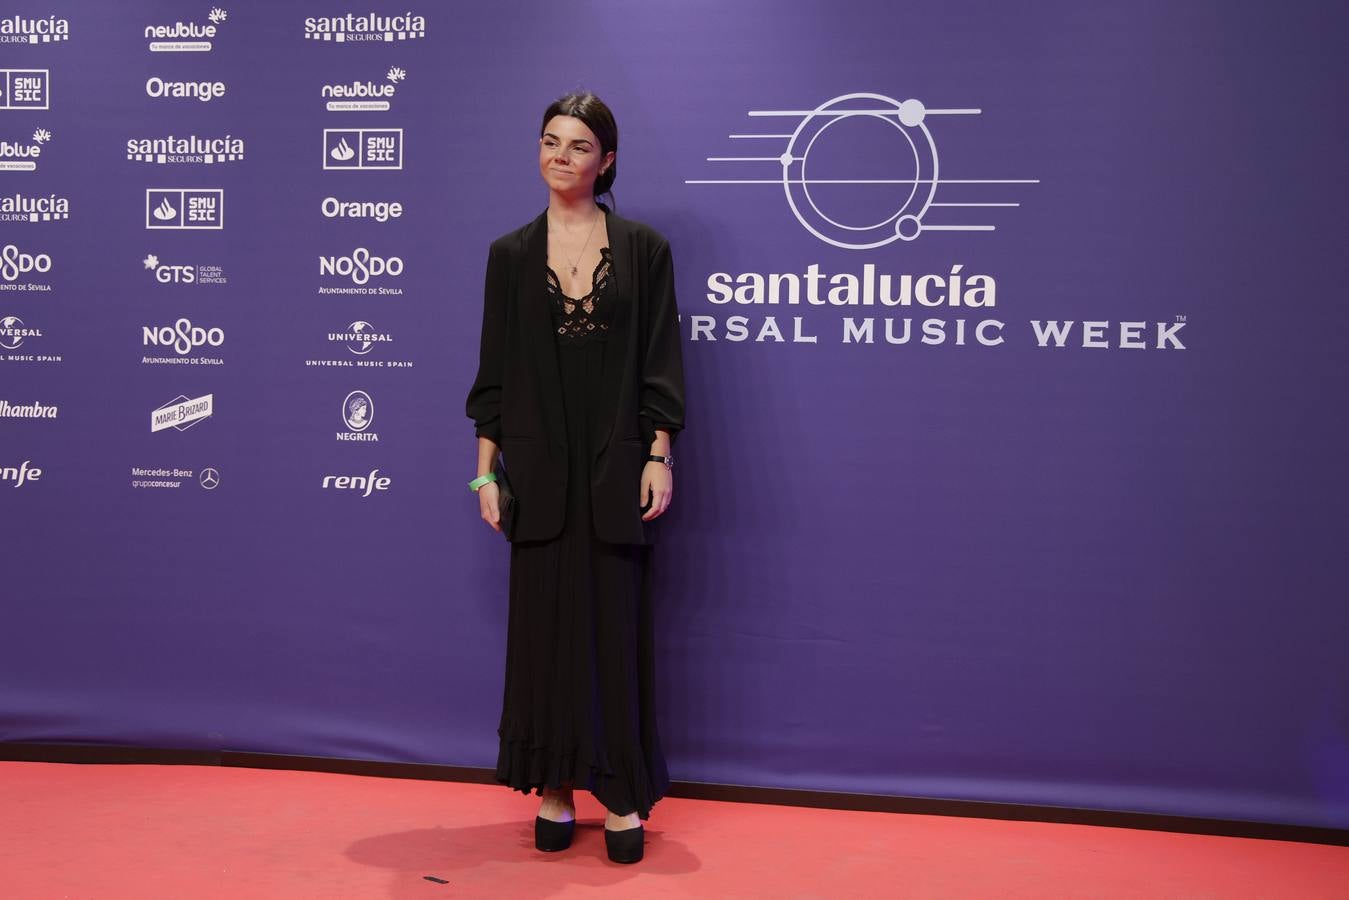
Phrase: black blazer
(516, 399)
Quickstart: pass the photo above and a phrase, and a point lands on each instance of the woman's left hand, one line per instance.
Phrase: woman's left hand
(658, 487)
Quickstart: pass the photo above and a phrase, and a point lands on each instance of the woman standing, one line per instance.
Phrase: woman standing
(580, 387)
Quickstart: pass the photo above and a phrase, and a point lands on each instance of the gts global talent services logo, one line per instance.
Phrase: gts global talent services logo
(364, 96)
(186, 37)
(166, 273)
(354, 28)
(22, 156)
(20, 30)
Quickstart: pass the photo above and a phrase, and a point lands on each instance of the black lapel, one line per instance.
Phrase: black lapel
(537, 320)
(617, 351)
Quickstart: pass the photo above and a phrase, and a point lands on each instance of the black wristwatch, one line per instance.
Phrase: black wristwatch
(668, 460)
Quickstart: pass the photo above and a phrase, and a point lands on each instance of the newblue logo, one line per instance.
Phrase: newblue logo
(185, 37)
(363, 96)
(19, 156)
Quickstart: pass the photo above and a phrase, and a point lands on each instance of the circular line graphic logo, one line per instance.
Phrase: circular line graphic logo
(209, 478)
(860, 171)
(905, 223)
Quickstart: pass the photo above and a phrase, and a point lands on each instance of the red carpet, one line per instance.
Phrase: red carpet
(111, 831)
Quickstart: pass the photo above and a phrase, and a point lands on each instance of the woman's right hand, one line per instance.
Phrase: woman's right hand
(489, 505)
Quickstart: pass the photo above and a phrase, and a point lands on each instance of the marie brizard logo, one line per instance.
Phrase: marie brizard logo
(861, 171)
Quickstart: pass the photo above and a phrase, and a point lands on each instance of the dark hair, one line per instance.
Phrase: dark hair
(598, 118)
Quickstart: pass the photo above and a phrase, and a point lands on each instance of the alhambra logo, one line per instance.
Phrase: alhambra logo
(19, 156)
(861, 171)
(365, 28)
(186, 37)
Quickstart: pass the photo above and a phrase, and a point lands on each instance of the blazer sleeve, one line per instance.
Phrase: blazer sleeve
(661, 401)
(484, 397)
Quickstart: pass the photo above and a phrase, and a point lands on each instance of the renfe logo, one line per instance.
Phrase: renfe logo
(366, 483)
(22, 473)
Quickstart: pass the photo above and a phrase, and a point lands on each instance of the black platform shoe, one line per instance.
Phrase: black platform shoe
(624, 846)
(550, 835)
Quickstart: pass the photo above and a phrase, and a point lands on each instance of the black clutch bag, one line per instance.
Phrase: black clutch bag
(507, 505)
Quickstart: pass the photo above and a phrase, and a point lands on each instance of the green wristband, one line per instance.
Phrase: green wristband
(481, 480)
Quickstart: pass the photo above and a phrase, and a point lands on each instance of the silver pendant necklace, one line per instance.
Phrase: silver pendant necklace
(593, 222)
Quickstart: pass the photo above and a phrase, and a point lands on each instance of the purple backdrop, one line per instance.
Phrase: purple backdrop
(1099, 576)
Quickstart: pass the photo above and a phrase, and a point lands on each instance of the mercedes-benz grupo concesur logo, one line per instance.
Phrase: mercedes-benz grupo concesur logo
(861, 170)
(209, 478)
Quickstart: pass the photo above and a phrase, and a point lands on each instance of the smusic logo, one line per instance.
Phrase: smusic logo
(184, 209)
(24, 89)
(363, 149)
